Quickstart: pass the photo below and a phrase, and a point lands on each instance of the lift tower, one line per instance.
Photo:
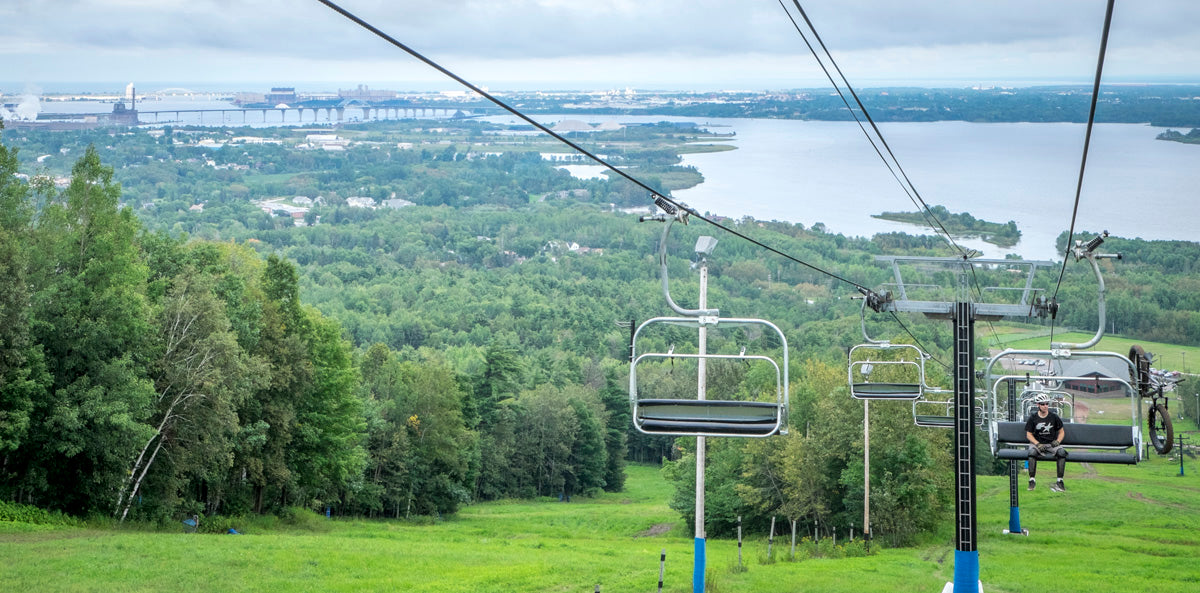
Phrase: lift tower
(963, 312)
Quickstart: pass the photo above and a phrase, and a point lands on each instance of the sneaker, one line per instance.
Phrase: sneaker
(1032, 483)
(1058, 487)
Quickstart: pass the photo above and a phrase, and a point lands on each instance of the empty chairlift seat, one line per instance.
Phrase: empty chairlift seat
(710, 417)
(717, 414)
(934, 409)
(886, 371)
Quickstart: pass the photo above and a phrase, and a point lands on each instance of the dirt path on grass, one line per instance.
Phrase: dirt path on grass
(654, 530)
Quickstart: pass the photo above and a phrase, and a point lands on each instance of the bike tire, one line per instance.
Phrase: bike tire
(1141, 371)
(1159, 422)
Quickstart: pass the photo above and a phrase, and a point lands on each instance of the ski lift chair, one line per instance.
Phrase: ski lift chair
(1093, 443)
(710, 417)
(879, 369)
(657, 415)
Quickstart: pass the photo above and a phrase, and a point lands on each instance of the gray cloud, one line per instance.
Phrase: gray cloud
(207, 39)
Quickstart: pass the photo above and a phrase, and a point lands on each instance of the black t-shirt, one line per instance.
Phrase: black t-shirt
(1045, 429)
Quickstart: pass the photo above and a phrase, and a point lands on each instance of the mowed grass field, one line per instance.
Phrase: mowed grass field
(1166, 356)
(1117, 529)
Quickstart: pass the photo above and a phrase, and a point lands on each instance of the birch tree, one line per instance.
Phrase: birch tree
(197, 373)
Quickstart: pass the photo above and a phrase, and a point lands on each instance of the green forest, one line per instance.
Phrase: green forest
(1156, 104)
(160, 360)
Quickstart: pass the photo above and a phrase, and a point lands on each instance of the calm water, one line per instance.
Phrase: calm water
(808, 172)
(827, 172)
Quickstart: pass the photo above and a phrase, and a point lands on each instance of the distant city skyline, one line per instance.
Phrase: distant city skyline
(561, 44)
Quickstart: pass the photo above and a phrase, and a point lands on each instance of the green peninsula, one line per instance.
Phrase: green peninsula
(961, 225)
(1192, 137)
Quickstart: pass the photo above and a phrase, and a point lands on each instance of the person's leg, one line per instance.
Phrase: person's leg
(1033, 453)
(1060, 456)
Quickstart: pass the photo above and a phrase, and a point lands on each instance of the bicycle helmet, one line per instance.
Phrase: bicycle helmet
(1041, 398)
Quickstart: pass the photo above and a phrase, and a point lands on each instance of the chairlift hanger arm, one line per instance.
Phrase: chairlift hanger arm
(682, 216)
(1088, 251)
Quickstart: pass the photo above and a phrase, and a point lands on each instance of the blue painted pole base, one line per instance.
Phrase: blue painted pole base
(1014, 520)
(966, 572)
(698, 573)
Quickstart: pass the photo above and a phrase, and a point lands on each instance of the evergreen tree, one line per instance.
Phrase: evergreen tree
(93, 321)
(22, 375)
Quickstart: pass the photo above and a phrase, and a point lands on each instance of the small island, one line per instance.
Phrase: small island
(1192, 137)
(961, 225)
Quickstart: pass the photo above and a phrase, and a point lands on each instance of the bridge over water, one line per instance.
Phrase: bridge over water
(301, 114)
(332, 113)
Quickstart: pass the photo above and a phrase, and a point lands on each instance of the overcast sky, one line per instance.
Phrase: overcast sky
(588, 44)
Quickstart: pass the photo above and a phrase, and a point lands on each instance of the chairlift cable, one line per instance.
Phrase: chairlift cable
(655, 193)
(926, 212)
(907, 185)
(913, 195)
(1087, 139)
(919, 344)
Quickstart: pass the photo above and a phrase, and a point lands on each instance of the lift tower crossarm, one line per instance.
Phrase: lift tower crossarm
(945, 309)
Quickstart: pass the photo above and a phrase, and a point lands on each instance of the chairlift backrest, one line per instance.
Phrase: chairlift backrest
(1062, 403)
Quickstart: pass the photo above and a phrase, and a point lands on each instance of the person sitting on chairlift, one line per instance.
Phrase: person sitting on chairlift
(1044, 431)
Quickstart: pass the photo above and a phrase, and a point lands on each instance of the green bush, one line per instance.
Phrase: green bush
(23, 513)
(304, 519)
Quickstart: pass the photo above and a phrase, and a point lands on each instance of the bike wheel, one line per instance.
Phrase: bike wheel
(1141, 371)
(1160, 426)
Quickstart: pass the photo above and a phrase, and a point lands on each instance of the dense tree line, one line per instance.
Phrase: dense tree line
(147, 376)
(1159, 105)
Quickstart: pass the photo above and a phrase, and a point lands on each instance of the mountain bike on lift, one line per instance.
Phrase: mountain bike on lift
(1151, 386)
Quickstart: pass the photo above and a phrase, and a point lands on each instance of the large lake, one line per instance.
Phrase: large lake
(810, 171)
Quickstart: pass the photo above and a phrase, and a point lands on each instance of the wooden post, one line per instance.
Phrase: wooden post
(739, 541)
(662, 562)
(771, 538)
(793, 554)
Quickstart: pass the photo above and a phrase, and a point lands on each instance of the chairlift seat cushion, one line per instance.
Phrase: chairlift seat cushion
(715, 417)
(1076, 456)
(934, 421)
(885, 390)
(707, 410)
(709, 428)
